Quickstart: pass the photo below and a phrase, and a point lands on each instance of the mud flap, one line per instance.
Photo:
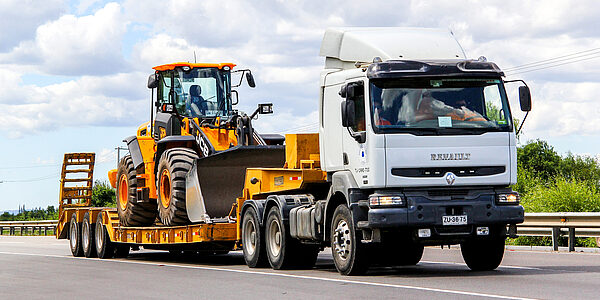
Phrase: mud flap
(214, 182)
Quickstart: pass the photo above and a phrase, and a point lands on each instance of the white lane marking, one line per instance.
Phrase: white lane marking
(399, 286)
(463, 264)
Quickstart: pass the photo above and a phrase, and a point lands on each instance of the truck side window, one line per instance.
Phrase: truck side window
(359, 113)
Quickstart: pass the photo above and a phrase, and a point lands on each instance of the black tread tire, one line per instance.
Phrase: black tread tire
(134, 213)
(484, 254)
(257, 259)
(285, 256)
(87, 239)
(122, 250)
(178, 162)
(357, 261)
(104, 247)
(75, 236)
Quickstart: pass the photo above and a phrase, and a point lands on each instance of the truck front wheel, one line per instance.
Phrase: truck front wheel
(349, 254)
(483, 255)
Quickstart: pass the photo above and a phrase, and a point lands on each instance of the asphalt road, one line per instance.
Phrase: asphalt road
(43, 268)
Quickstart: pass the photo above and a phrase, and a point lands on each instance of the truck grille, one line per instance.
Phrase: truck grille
(440, 172)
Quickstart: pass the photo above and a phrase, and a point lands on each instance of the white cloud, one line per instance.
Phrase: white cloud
(73, 45)
(19, 20)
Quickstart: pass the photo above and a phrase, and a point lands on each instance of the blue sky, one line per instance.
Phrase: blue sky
(74, 72)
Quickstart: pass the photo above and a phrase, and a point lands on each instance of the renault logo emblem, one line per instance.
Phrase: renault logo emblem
(450, 178)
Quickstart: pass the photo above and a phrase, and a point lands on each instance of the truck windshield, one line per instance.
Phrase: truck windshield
(199, 93)
(439, 106)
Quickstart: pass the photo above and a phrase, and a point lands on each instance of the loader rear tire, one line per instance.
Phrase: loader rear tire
(174, 164)
(75, 237)
(104, 247)
(131, 212)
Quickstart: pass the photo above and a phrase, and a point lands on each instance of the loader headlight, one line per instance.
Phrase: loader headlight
(380, 200)
(510, 198)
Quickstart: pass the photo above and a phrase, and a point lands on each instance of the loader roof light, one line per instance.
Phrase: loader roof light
(172, 66)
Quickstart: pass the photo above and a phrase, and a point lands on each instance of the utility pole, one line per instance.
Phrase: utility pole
(118, 154)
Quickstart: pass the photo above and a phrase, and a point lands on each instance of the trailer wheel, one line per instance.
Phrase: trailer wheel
(174, 164)
(483, 255)
(75, 236)
(104, 247)
(349, 254)
(87, 236)
(253, 242)
(131, 212)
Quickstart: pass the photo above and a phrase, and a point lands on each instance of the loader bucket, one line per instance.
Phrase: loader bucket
(214, 182)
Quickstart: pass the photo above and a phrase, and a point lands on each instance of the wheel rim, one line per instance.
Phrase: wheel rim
(250, 238)
(99, 236)
(274, 238)
(165, 188)
(123, 192)
(73, 235)
(342, 242)
(85, 234)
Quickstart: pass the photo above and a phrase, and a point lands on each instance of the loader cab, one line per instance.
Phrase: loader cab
(187, 90)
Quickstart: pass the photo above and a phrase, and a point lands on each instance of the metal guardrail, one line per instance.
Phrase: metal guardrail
(43, 227)
(571, 224)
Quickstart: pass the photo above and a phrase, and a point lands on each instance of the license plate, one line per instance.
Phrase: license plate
(454, 220)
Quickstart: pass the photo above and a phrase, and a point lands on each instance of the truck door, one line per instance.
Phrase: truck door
(354, 147)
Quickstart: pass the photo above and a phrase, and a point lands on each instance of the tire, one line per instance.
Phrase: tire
(484, 254)
(87, 236)
(277, 241)
(174, 164)
(104, 247)
(131, 212)
(122, 250)
(75, 237)
(350, 256)
(253, 241)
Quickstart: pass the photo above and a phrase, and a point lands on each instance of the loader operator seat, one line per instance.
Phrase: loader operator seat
(197, 104)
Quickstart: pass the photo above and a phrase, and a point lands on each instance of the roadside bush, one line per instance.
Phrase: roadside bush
(103, 195)
(562, 195)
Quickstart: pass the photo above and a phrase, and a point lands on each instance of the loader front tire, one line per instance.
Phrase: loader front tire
(174, 164)
(131, 211)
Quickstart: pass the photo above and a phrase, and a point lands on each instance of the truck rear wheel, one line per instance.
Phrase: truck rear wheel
(131, 212)
(174, 164)
(87, 236)
(253, 242)
(104, 247)
(350, 256)
(483, 255)
(277, 241)
(75, 236)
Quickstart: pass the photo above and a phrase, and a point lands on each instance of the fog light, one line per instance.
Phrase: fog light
(512, 198)
(424, 232)
(483, 231)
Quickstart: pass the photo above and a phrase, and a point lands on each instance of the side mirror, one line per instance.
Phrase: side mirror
(152, 81)
(234, 100)
(263, 108)
(250, 79)
(352, 90)
(525, 98)
(348, 113)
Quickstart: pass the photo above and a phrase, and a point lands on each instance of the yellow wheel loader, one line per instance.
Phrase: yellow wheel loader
(188, 162)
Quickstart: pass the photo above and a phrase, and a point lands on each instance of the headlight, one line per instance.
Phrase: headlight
(378, 200)
(512, 198)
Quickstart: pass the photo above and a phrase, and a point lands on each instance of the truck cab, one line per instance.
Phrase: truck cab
(418, 140)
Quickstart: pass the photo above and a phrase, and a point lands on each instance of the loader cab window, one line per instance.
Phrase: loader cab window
(198, 93)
